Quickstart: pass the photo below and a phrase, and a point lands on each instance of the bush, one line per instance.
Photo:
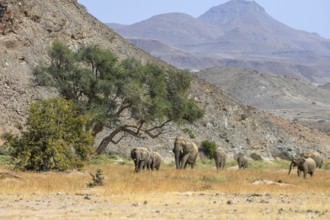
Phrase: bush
(255, 156)
(97, 178)
(189, 132)
(209, 148)
(54, 138)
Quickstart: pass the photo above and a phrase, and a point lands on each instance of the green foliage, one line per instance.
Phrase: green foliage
(326, 165)
(54, 139)
(5, 159)
(97, 178)
(209, 147)
(256, 156)
(100, 159)
(189, 132)
(105, 87)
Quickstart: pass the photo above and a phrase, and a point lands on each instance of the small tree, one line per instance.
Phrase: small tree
(126, 98)
(98, 178)
(54, 139)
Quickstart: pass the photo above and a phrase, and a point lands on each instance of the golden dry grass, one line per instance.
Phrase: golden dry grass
(203, 192)
(121, 179)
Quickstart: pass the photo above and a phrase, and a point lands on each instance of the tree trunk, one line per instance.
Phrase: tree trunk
(104, 143)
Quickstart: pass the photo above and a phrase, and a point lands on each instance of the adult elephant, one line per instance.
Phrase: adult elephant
(316, 156)
(242, 162)
(154, 160)
(140, 156)
(220, 158)
(305, 165)
(185, 152)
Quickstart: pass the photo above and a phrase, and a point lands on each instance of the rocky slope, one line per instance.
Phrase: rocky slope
(284, 96)
(27, 30)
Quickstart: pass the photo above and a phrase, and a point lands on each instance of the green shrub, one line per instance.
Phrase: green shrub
(209, 148)
(97, 178)
(189, 132)
(101, 159)
(326, 165)
(5, 159)
(54, 138)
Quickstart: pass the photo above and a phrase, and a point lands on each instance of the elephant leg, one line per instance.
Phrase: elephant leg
(184, 161)
(141, 166)
(311, 173)
(135, 166)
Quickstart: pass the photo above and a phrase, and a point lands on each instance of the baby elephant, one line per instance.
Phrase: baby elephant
(220, 158)
(242, 161)
(154, 161)
(306, 165)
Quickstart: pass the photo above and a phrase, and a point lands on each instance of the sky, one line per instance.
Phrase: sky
(308, 15)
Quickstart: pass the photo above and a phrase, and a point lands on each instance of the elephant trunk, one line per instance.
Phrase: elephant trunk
(291, 165)
(177, 160)
(137, 164)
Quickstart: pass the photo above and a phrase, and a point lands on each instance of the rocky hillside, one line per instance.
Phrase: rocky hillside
(238, 33)
(28, 28)
(284, 96)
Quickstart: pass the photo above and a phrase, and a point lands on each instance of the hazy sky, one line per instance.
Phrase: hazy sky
(307, 15)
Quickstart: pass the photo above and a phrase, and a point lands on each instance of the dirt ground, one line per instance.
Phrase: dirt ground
(91, 204)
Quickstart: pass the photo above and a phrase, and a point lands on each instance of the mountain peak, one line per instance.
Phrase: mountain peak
(233, 10)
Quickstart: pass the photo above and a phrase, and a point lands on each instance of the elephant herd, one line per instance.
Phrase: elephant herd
(307, 163)
(186, 153)
(144, 159)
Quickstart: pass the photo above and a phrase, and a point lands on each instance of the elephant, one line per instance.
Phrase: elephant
(306, 165)
(140, 156)
(185, 152)
(220, 158)
(154, 161)
(241, 161)
(316, 156)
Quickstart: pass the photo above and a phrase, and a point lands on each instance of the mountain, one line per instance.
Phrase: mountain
(288, 97)
(27, 30)
(238, 33)
(173, 28)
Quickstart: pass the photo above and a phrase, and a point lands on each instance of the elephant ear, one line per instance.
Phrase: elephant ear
(302, 160)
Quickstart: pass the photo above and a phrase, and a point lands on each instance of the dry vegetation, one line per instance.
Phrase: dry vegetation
(263, 190)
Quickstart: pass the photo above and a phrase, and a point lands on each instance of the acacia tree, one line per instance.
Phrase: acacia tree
(125, 97)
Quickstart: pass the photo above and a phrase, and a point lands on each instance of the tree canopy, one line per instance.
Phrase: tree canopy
(127, 97)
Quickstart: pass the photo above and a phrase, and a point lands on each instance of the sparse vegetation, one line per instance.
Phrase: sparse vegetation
(189, 132)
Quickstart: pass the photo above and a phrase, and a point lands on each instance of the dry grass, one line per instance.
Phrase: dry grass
(202, 193)
(121, 179)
